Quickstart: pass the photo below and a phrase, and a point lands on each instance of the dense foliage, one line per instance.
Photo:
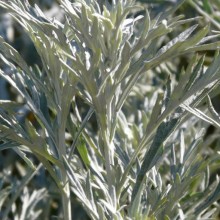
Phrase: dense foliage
(110, 107)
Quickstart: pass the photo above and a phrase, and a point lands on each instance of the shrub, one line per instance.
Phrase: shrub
(134, 149)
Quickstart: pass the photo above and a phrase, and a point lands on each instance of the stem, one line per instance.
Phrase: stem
(65, 194)
(109, 162)
(106, 143)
